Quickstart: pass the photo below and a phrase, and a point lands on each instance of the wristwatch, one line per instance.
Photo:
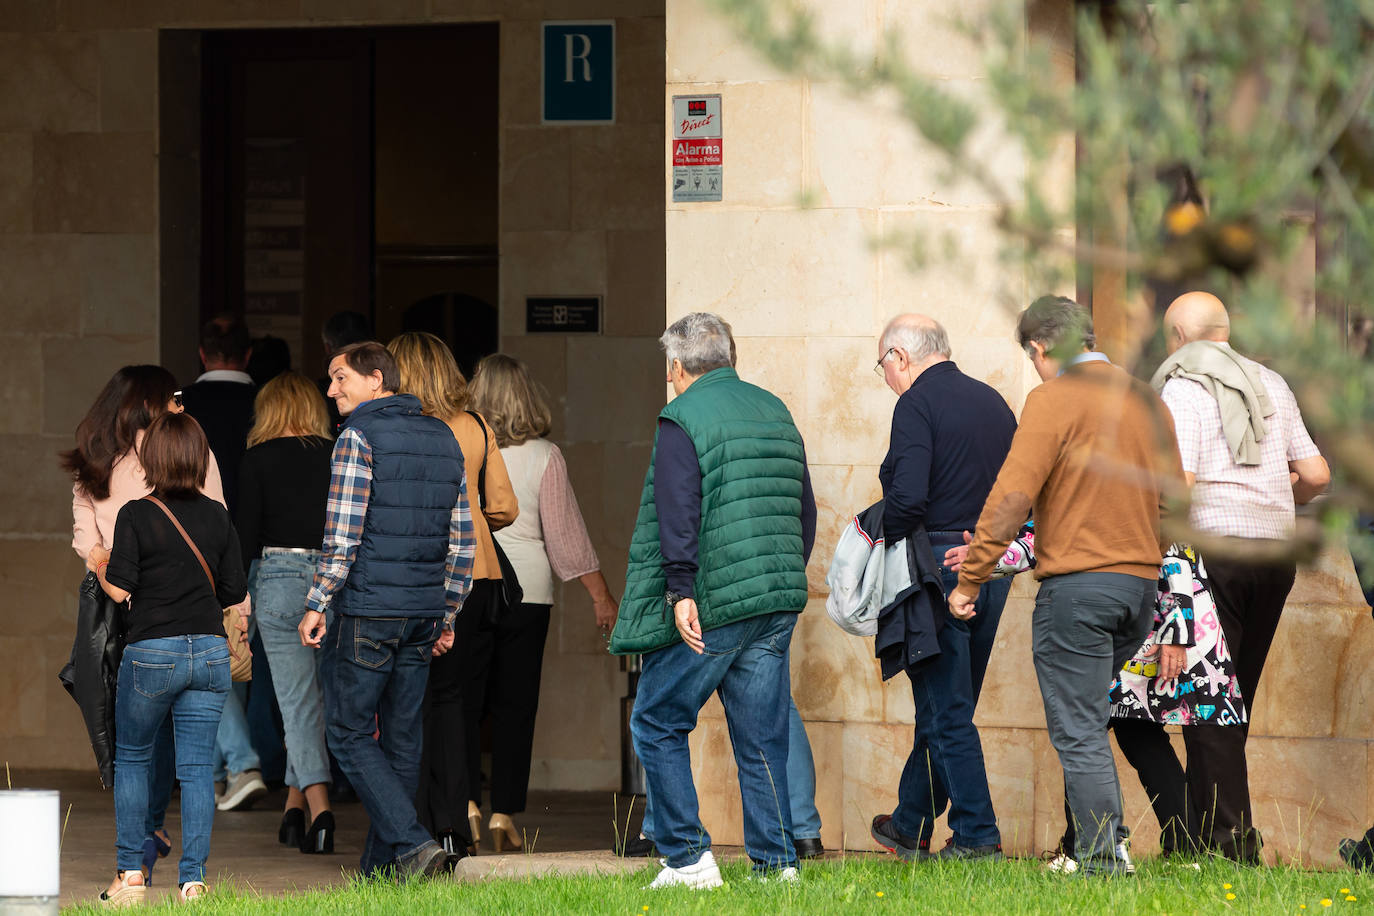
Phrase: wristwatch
(672, 598)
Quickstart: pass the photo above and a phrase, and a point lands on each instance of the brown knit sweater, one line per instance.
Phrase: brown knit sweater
(1094, 459)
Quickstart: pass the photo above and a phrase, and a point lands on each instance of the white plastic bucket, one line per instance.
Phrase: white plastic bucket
(30, 851)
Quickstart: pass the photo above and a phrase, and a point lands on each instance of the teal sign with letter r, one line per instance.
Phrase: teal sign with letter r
(579, 73)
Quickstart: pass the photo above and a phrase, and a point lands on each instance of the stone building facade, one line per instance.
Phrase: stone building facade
(93, 276)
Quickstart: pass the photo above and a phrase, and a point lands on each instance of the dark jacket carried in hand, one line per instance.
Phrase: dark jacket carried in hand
(92, 673)
(909, 627)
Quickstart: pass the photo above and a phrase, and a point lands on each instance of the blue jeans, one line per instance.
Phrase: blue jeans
(747, 663)
(280, 583)
(234, 750)
(801, 784)
(377, 667)
(187, 676)
(161, 776)
(946, 767)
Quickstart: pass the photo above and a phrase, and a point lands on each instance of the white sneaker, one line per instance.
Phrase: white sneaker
(788, 875)
(1062, 864)
(702, 875)
(1123, 852)
(241, 790)
(1065, 864)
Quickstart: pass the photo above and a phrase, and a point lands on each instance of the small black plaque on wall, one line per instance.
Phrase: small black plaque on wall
(563, 315)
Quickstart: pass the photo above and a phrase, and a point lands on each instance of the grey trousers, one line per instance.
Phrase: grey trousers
(1085, 627)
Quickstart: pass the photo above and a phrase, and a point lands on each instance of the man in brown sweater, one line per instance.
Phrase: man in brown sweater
(1094, 460)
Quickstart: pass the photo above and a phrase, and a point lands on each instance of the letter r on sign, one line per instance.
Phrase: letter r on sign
(583, 45)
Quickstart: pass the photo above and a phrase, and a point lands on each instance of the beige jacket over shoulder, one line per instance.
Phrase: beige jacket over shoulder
(502, 506)
(93, 520)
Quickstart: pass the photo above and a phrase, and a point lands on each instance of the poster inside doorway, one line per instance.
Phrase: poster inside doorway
(697, 158)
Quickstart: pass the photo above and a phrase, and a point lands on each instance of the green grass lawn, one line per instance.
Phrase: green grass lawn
(859, 884)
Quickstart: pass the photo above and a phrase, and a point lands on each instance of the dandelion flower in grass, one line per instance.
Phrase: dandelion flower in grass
(880, 893)
(1326, 901)
(1230, 896)
(1226, 887)
(1345, 890)
(1351, 897)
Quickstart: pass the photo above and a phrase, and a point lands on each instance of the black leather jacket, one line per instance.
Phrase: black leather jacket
(92, 674)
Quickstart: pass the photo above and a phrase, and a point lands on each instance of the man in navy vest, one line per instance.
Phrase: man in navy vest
(396, 565)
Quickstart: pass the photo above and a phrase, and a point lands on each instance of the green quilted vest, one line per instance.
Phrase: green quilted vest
(750, 546)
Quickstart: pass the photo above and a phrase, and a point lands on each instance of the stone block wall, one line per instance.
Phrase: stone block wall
(80, 296)
(808, 291)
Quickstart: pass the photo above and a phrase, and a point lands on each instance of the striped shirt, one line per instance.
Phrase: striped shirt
(350, 486)
(1230, 499)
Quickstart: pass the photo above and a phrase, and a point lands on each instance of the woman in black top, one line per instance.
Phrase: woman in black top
(177, 658)
(283, 484)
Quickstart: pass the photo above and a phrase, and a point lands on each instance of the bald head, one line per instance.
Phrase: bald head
(910, 345)
(1196, 316)
(919, 335)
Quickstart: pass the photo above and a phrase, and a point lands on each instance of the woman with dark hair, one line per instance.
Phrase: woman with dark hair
(176, 554)
(108, 473)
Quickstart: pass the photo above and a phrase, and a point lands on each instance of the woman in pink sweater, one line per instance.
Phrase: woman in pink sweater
(107, 475)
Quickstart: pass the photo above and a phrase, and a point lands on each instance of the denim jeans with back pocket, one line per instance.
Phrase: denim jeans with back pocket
(187, 676)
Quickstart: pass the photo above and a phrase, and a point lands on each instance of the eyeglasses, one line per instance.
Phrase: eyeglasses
(878, 366)
(176, 399)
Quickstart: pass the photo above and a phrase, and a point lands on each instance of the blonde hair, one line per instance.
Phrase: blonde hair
(512, 402)
(288, 405)
(429, 371)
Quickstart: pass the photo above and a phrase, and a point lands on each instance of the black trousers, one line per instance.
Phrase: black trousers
(1147, 749)
(441, 801)
(1249, 601)
(505, 662)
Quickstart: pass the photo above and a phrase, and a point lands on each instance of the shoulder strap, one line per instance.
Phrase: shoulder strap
(189, 543)
(481, 474)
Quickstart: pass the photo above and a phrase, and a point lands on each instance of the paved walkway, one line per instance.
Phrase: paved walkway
(570, 832)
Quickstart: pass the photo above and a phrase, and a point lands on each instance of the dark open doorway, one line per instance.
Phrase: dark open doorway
(334, 170)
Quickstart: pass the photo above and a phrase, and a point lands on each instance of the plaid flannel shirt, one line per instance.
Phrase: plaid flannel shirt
(350, 486)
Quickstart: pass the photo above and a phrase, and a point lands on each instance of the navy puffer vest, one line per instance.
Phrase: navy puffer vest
(417, 474)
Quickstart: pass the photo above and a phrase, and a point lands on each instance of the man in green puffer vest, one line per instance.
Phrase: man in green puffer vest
(716, 577)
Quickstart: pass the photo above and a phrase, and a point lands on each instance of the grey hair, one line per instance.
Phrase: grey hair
(1055, 322)
(921, 339)
(701, 341)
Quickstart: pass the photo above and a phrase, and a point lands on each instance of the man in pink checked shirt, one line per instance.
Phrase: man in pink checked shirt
(1248, 459)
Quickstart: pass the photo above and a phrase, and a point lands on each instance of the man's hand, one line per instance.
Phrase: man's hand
(955, 556)
(312, 629)
(961, 601)
(443, 643)
(685, 612)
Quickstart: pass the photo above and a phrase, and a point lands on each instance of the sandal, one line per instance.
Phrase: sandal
(193, 890)
(128, 893)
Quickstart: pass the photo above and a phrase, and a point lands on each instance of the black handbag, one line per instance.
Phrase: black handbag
(506, 592)
(91, 676)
